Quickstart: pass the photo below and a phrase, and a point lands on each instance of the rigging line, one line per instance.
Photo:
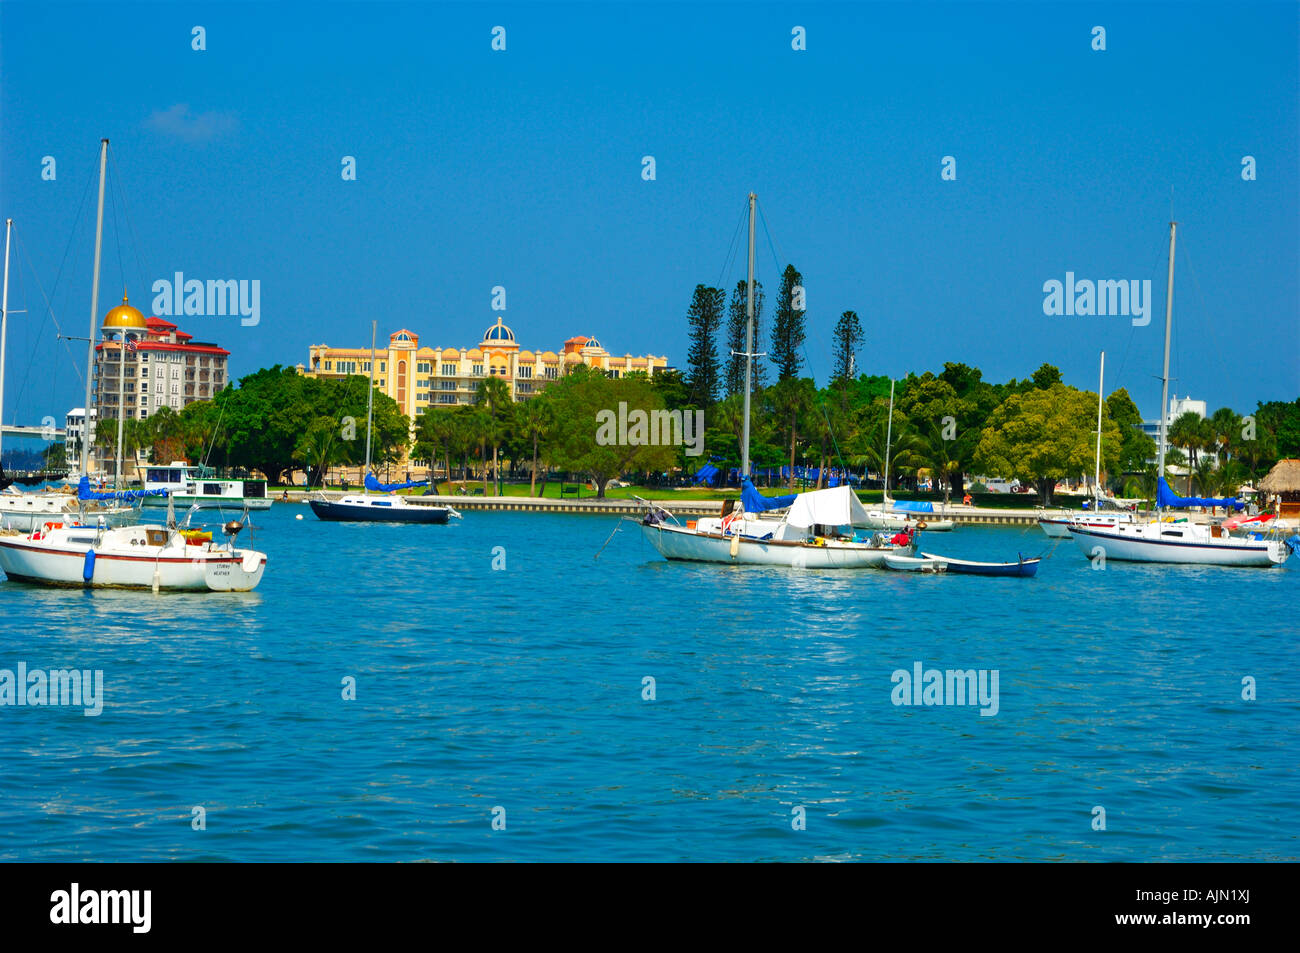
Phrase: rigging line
(1122, 364)
(731, 250)
(49, 309)
(117, 239)
(1224, 370)
(130, 224)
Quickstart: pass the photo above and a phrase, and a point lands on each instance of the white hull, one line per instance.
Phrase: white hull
(1058, 527)
(677, 542)
(125, 558)
(1156, 543)
(183, 500)
(878, 519)
(26, 512)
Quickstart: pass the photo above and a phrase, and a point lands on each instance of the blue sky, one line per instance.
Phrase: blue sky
(522, 168)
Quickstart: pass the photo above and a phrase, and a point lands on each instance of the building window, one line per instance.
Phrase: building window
(401, 384)
(525, 371)
(422, 367)
(329, 365)
(383, 367)
(552, 371)
(477, 371)
(449, 370)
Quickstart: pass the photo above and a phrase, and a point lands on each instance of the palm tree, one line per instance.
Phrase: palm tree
(932, 452)
(1225, 430)
(493, 397)
(535, 418)
(1191, 433)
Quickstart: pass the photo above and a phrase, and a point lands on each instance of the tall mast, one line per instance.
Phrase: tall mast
(889, 438)
(1096, 477)
(94, 309)
(4, 331)
(1164, 374)
(749, 341)
(370, 401)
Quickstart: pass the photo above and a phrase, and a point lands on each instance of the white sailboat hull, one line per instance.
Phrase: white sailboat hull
(123, 559)
(1154, 543)
(677, 542)
(1058, 527)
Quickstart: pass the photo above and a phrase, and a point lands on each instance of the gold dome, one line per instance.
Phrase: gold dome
(125, 317)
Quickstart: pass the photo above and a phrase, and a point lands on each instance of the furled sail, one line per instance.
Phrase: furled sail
(84, 492)
(1167, 497)
(912, 506)
(754, 502)
(373, 484)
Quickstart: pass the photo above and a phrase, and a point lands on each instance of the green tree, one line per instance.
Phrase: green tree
(847, 338)
(705, 318)
(493, 397)
(734, 377)
(1192, 434)
(1136, 449)
(585, 441)
(1045, 435)
(788, 330)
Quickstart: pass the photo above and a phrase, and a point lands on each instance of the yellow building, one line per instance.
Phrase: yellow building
(422, 377)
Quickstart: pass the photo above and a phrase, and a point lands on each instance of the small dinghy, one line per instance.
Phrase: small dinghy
(923, 563)
(1022, 567)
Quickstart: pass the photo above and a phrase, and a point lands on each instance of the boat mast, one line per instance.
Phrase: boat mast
(94, 311)
(1164, 375)
(749, 342)
(370, 401)
(889, 438)
(4, 331)
(1096, 477)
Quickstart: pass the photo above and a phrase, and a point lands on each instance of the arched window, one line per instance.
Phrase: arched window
(401, 386)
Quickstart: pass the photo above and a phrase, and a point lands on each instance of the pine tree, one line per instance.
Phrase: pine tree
(735, 375)
(848, 338)
(788, 325)
(703, 370)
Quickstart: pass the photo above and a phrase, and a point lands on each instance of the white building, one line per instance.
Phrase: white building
(74, 425)
(1177, 407)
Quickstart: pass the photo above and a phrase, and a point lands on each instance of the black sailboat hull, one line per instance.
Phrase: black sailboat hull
(352, 513)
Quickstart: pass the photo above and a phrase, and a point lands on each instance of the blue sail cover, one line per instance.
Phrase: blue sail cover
(84, 492)
(912, 506)
(754, 502)
(373, 484)
(1167, 497)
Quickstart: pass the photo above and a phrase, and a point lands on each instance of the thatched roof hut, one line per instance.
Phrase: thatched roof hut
(1283, 478)
(1283, 482)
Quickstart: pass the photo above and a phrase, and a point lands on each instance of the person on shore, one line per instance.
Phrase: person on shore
(967, 500)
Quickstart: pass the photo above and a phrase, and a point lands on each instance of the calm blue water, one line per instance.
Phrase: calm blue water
(522, 689)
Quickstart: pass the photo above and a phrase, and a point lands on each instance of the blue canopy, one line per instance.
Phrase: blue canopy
(706, 473)
(373, 484)
(84, 492)
(1167, 497)
(912, 506)
(754, 502)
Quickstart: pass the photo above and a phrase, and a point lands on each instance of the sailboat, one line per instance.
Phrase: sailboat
(816, 531)
(1163, 540)
(1105, 513)
(387, 507)
(898, 514)
(148, 556)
